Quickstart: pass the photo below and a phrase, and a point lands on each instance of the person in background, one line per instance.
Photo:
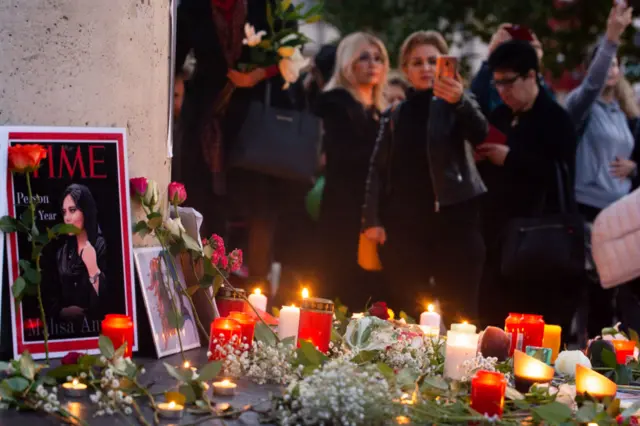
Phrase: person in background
(626, 97)
(349, 107)
(486, 94)
(522, 172)
(603, 163)
(323, 65)
(396, 89)
(421, 201)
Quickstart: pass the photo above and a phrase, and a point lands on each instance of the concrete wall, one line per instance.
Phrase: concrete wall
(90, 63)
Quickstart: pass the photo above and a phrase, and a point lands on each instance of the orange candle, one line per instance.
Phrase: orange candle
(119, 328)
(223, 332)
(552, 340)
(248, 325)
(624, 349)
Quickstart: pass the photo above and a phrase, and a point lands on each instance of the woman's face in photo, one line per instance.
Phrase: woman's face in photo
(369, 66)
(71, 214)
(420, 66)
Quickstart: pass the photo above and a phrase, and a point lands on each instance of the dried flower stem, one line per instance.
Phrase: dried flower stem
(141, 418)
(151, 399)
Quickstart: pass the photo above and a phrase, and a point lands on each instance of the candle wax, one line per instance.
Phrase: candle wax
(289, 322)
(430, 318)
(259, 301)
(464, 328)
(553, 340)
(460, 347)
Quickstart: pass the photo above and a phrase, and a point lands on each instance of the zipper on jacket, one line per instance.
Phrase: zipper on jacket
(436, 204)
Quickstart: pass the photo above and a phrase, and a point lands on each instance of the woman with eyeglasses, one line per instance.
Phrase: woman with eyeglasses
(350, 108)
(421, 201)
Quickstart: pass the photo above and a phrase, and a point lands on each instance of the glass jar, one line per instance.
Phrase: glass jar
(229, 300)
(316, 322)
(224, 332)
(512, 327)
(532, 326)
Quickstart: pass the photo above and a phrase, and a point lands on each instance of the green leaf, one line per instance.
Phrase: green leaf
(26, 218)
(65, 229)
(190, 244)
(8, 224)
(407, 318)
(189, 393)
(217, 284)
(269, 15)
(313, 19)
(436, 382)
(64, 371)
(30, 273)
(288, 341)
(15, 384)
(4, 366)
(365, 356)
(173, 372)
(88, 360)
(553, 413)
(608, 358)
(335, 336)
(140, 226)
(18, 288)
(284, 5)
(266, 44)
(27, 366)
(623, 375)
(210, 371)
(586, 413)
(106, 347)
(633, 335)
(176, 319)
(155, 220)
(49, 381)
(119, 353)
(264, 334)
(385, 370)
(192, 290)
(275, 311)
(312, 355)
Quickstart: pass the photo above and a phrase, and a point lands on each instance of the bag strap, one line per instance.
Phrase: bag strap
(267, 94)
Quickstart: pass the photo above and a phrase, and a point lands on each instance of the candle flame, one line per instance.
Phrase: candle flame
(257, 291)
(465, 322)
(225, 382)
(172, 405)
(430, 307)
(75, 382)
(186, 364)
(305, 293)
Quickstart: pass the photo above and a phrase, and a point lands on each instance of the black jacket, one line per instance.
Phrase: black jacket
(452, 177)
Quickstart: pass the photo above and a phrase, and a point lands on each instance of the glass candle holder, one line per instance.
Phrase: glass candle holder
(542, 354)
(248, 325)
(624, 349)
(230, 300)
(532, 327)
(316, 322)
(224, 331)
(119, 329)
(487, 393)
(512, 327)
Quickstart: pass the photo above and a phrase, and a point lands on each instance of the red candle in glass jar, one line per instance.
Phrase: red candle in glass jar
(229, 300)
(512, 327)
(119, 329)
(248, 325)
(532, 327)
(316, 322)
(487, 392)
(223, 332)
(624, 349)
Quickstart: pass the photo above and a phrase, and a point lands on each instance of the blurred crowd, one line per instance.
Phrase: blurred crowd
(478, 194)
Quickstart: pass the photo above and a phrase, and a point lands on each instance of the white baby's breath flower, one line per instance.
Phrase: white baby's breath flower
(103, 359)
(83, 375)
(128, 411)
(128, 400)
(115, 383)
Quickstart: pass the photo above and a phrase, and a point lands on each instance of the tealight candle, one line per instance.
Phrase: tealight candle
(119, 329)
(552, 339)
(224, 388)
(430, 318)
(528, 370)
(258, 300)
(487, 393)
(170, 410)
(594, 384)
(74, 389)
(460, 347)
(464, 327)
(624, 349)
(288, 323)
(247, 325)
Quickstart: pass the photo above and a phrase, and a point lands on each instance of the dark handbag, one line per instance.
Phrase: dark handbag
(546, 245)
(278, 142)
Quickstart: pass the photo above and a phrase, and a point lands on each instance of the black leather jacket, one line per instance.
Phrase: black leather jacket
(454, 177)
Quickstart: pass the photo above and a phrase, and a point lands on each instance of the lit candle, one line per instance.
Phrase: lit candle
(224, 388)
(170, 410)
(119, 329)
(430, 318)
(305, 293)
(223, 332)
(624, 349)
(403, 420)
(74, 389)
(512, 326)
(258, 300)
(552, 339)
(430, 331)
(289, 321)
(248, 326)
(229, 300)
(464, 327)
(460, 347)
(186, 365)
(532, 327)
(487, 393)
(316, 322)
(594, 384)
(528, 370)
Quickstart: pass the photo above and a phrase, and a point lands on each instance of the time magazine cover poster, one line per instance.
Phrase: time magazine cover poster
(82, 182)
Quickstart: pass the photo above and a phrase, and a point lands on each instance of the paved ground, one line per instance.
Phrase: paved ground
(248, 393)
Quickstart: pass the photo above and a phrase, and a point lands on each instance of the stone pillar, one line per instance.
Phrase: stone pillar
(101, 63)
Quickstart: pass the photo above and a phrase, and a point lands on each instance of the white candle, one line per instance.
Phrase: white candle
(170, 410)
(224, 388)
(288, 322)
(464, 328)
(461, 347)
(430, 331)
(430, 318)
(258, 300)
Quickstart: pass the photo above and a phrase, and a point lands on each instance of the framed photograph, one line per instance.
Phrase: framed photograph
(83, 182)
(156, 274)
(3, 210)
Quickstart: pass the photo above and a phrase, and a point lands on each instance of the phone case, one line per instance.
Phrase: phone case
(446, 66)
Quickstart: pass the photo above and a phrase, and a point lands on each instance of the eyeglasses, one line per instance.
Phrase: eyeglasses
(367, 57)
(505, 82)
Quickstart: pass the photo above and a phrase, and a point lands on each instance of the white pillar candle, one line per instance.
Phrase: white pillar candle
(288, 323)
(258, 300)
(464, 328)
(461, 347)
(430, 318)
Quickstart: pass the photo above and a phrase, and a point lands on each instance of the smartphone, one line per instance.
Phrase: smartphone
(446, 66)
(519, 32)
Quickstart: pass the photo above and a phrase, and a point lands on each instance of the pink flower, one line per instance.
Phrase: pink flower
(71, 358)
(217, 243)
(379, 309)
(177, 193)
(138, 186)
(223, 263)
(235, 259)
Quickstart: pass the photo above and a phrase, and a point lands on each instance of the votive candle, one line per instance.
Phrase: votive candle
(316, 322)
(527, 370)
(430, 318)
(487, 393)
(461, 347)
(258, 300)
(553, 340)
(223, 332)
(289, 322)
(229, 300)
(593, 383)
(119, 329)
(464, 327)
(624, 349)
(248, 326)
(170, 410)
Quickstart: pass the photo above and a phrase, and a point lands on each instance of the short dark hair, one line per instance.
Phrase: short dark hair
(325, 61)
(514, 55)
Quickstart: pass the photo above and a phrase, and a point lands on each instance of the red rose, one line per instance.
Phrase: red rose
(379, 309)
(26, 158)
(235, 260)
(138, 186)
(71, 358)
(177, 193)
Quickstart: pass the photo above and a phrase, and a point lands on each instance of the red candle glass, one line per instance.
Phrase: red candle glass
(624, 349)
(316, 321)
(248, 325)
(230, 300)
(487, 392)
(119, 329)
(532, 327)
(223, 332)
(512, 327)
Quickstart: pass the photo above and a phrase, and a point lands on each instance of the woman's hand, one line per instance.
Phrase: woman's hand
(496, 153)
(499, 37)
(90, 259)
(71, 312)
(619, 19)
(246, 79)
(449, 89)
(622, 168)
(377, 234)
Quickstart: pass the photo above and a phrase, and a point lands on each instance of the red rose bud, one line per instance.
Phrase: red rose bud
(217, 243)
(71, 358)
(138, 186)
(235, 260)
(380, 310)
(26, 158)
(223, 263)
(177, 193)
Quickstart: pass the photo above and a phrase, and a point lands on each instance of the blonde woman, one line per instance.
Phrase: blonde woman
(349, 107)
(422, 200)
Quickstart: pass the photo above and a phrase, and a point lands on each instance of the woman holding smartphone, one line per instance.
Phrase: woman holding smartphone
(421, 201)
